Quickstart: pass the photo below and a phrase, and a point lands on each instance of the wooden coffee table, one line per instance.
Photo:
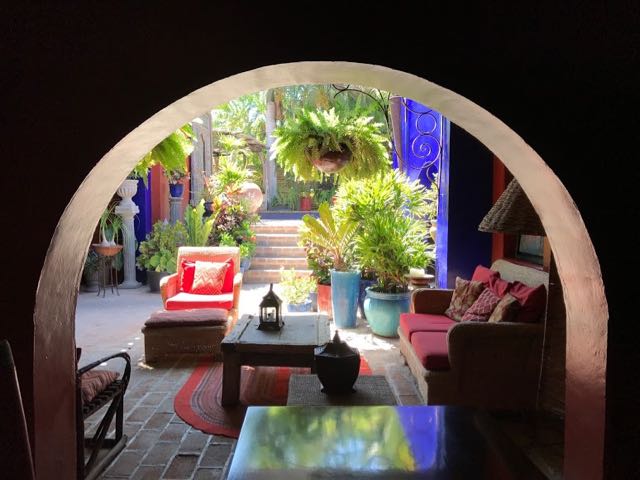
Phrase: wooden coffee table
(292, 346)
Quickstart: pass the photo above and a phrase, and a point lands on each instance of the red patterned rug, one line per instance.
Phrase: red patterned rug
(198, 401)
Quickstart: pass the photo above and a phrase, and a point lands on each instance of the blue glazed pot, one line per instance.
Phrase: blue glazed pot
(345, 287)
(364, 284)
(300, 307)
(176, 189)
(383, 311)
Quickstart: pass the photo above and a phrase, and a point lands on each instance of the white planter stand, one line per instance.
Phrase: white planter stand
(127, 210)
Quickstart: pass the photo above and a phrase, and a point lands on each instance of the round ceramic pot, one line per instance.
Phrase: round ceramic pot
(153, 280)
(383, 311)
(300, 307)
(324, 300)
(332, 162)
(176, 189)
(364, 284)
(345, 287)
(251, 192)
(306, 203)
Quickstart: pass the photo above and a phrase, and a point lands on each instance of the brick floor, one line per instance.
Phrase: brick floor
(162, 446)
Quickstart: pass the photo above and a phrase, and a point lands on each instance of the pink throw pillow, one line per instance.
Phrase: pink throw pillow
(482, 308)
(499, 286)
(95, 381)
(208, 278)
(532, 301)
(465, 294)
(484, 275)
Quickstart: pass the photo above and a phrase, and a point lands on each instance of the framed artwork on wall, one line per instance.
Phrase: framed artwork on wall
(530, 248)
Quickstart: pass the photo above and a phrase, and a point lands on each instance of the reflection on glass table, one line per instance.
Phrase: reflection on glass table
(369, 442)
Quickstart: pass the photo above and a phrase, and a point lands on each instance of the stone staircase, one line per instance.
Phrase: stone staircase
(277, 246)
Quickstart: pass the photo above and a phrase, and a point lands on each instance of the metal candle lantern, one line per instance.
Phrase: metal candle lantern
(271, 311)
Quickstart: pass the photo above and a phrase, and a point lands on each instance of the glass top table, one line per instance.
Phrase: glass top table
(380, 442)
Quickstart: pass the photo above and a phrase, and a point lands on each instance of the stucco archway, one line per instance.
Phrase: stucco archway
(587, 312)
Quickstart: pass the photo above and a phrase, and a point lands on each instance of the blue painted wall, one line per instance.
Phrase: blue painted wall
(469, 199)
(142, 222)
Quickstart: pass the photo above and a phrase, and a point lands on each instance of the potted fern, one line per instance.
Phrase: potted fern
(159, 251)
(319, 142)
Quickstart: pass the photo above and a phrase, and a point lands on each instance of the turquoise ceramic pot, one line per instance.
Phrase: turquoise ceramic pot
(383, 311)
(345, 287)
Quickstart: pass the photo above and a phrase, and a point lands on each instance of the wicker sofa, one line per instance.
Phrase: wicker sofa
(486, 365)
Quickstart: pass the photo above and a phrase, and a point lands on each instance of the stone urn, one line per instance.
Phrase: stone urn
(337, 366)
(251, 192)
(127, 190)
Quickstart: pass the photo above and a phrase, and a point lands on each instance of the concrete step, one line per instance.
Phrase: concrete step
(277, 239)
(267, 275)
(278, 251)
(277, 226)
(277, 262)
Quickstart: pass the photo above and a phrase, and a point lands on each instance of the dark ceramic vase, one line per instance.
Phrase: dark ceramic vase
(337, 366)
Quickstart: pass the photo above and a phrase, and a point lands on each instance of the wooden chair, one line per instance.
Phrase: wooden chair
(113, 396)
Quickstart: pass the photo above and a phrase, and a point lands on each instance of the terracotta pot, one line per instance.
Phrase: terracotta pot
(306, 204)
(251, 192)
(106, 250)
(324, 300)
(332, 162)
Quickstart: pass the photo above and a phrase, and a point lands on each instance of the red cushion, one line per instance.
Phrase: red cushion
(532, 301)
(484, 275)
(499, 286)
(186, 280)
(432, 349)
(227, 286)
(482, 308)
(423, 322)
(184, 301)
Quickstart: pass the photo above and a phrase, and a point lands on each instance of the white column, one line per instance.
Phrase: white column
(128, 210)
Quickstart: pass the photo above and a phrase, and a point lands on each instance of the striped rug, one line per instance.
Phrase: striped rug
(198, 401)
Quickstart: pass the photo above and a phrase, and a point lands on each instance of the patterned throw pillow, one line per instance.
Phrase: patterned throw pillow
(208, 278)
(481, 309)
(465, 294)
(506, 310)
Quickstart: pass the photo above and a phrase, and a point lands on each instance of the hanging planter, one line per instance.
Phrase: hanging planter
(322, 142)
(332, 161)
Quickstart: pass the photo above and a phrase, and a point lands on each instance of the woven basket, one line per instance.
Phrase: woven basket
(512, 213)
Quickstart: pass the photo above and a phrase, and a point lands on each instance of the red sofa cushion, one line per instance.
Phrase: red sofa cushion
(482, 308)
(423, 322)
(499, 286)
(189, 269)
(432, 349)
(484, 275)
(532, 301)
(184, 301)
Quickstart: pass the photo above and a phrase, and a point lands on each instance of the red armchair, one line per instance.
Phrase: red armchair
(175, 299)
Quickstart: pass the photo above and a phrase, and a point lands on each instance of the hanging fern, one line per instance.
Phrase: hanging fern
(313, 133)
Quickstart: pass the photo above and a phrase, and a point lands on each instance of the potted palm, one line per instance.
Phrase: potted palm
(319, 142)
(389, 210)
(337, 239)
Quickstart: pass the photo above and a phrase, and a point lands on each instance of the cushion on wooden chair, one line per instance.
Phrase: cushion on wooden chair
(95, 381)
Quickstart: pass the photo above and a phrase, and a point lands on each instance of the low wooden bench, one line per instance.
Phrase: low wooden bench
(172, 333)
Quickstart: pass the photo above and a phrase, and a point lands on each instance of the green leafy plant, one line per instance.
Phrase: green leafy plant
(295, 288)
(228, 179)
(313, 133)
(170, 153)
(110, 225)
(159, 251)
(91, 264)
(390, 245)
(319, 261)
(335, 237)
(198, 228)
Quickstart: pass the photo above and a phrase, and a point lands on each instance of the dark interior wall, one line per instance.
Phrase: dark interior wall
(470, 190)
(77, 78)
